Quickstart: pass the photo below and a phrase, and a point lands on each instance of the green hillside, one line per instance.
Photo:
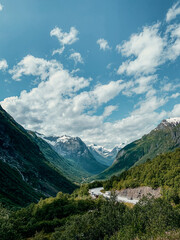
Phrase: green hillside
(162, 171)
(165, 138)
(14, 191)
(19, 150)
(67, 218)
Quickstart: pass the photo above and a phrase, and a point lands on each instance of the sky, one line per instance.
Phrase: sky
(107, 71)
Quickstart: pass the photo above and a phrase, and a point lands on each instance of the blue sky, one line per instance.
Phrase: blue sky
(106, 71)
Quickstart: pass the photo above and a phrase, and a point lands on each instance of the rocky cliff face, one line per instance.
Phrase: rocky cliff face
(139, 192)
(74, 149)
(104, 155)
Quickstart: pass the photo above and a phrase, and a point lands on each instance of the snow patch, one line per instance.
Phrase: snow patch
(173, 121)
(64, 139)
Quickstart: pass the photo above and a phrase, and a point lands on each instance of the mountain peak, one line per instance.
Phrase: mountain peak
(64, 138)
(173, 121)
(169, 122)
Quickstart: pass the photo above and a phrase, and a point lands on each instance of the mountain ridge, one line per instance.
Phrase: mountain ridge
(165, 137)
(76, 151)
(19, 150)
(104, 155)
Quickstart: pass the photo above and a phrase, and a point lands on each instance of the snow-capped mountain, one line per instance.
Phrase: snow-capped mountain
(74, 149)
(170, 122)
(173, 121)
(104, 155)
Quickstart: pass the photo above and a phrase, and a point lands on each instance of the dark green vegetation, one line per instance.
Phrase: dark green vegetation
(13, 190)
(65, 166)
(78, 217)
(67, 218)
(24, 167)
(165, 138)
(163, 171)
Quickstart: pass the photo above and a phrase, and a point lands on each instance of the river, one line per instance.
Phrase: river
(97, 192)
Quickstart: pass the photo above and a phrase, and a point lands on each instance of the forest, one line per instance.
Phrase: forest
(76, 216)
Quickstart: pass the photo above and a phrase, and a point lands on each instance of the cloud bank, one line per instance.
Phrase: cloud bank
(65, 103)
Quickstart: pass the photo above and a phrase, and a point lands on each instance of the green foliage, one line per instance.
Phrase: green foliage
(149, 218)
(66, 218)
(94, 224)
(48, 214)
(40, 236)
(163, 171)
(7, 231)
(14, 191)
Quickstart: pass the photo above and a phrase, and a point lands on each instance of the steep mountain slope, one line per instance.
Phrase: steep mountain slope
(161, 171)
(104, 155)
(76, 151)
(64, 165)
(19, 150)
(14, 191)
(164, 138)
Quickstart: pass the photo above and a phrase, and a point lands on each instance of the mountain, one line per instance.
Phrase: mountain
(104, 155)
(14, 191)
(67, 167)
(22, 160)
(164, 138)
(77, 153)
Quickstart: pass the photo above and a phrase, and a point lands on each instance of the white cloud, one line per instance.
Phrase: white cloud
(59, 51)
(64, 38)
(76, 57)
(140, 85)
(31, 65)
(173, 50)
(173, 12)
(56, 106)
(176, 111)
(139, 122)
(147, 48)
(99, 95)
(109, 66)
(61, 104)
(3, 64)
(175, 95)
(103, 44)
(168, 87)
(149, 105)
(118, 48)
(108, 110)
(1, 7)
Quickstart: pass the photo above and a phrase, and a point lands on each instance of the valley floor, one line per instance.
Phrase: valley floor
(95, 192)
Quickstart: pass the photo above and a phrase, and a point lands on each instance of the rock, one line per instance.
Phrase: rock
(138, 193)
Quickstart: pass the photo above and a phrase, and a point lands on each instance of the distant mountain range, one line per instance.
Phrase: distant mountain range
(65, 166)
(33, 165)
(76, 153)
(104, 155)
(164, 138)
